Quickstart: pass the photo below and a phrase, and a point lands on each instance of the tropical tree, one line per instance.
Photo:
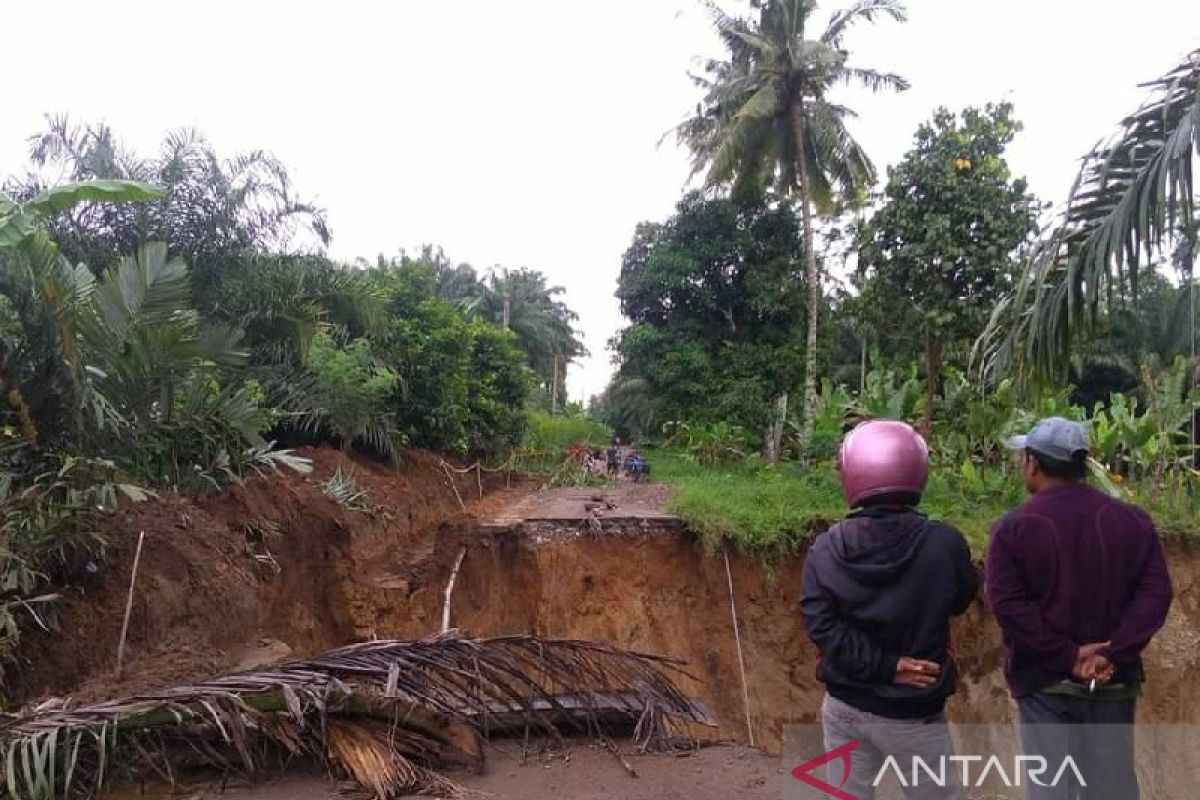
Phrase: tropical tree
(212, 208)
(38, 296)
(458, 283)
(122, 367)
(282, 302)
(715, 308)
(463, 382)
(767, 117)
(629, 406)
(1132, 194)
(354, 395)
(521, 301)
(944, 240)
(517, 300)
(141, 340)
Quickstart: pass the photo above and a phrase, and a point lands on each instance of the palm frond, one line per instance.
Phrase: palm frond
(283, 302)
(738, 34)
(862, 11)
(838, 165)
(210, 208)
(147, 288)
(1132, 193)
(742, 130)
(141, 338)
(875, 80)
(384, 712)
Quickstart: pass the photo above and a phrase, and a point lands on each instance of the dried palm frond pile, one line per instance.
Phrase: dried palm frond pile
(384, 713)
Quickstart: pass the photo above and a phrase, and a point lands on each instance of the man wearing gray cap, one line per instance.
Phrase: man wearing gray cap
(1078, 581)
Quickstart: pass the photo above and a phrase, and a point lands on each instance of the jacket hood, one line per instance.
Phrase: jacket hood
(877, 546)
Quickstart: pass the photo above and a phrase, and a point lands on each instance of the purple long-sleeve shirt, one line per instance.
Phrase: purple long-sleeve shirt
(1072, 567)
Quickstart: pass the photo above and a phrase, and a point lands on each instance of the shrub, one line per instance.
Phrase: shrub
(708, 443)
(354, 392)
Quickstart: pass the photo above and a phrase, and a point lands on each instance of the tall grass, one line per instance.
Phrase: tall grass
(547, 444)
(778, 509)
(552, 433)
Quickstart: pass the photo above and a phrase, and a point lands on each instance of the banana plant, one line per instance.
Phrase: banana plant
(834, 406)
(885, 398)
(1122, 436)
(1170, 408)
(40, 288)
(20, 220)
(1106, 432)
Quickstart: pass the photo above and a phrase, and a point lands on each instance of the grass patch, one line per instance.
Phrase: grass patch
(759, 509)
(775, 510)
(544, 450)
(548, 432)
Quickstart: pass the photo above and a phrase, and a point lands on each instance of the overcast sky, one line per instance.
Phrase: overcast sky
(526, 132)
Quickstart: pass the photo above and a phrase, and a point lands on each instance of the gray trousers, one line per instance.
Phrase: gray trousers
(1097, 734)
(879, 737)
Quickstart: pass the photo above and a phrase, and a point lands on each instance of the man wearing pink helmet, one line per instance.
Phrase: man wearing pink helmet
(879, 590)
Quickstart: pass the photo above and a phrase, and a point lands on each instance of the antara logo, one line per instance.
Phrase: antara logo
(1036, 769)
(803, 772)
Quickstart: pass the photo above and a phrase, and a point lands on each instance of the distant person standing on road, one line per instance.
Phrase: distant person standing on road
(1078, 581)
(878, 593)
(614, 457)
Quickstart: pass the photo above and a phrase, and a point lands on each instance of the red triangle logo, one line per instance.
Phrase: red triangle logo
(803, 772)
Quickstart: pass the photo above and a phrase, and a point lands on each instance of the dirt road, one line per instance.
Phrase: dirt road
(585, 773)
(621, 500)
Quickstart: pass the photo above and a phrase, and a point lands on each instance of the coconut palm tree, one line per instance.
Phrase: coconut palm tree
(1134, 193)
(767, 117)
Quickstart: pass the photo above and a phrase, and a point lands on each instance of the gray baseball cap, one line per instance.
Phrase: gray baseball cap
(1054, 437)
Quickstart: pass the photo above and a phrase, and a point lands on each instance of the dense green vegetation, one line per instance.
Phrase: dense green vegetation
(1140, 454)
(937, 299)
(170, 323)
(767, 119)
(714, 311)
(939, 246)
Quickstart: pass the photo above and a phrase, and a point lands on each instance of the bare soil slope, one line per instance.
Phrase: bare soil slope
(274, 567)
(262, 570)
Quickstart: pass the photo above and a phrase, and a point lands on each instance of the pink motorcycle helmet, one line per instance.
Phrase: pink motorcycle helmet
(882, 457)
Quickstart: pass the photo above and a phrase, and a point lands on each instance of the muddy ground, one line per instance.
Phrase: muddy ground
(274, 568)
(584, 772)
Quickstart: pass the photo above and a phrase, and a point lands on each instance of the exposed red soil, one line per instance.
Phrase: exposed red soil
(209, 598)
(660, 592)
(262, 570)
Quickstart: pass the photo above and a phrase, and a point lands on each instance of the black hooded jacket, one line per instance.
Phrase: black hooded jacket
(879, 585)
